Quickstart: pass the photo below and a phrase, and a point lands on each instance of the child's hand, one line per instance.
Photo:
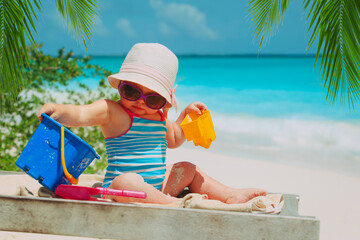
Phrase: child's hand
(195, 107)
(48, 109)
(175, 135)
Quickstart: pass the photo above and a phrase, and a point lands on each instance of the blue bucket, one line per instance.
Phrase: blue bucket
(41, 157)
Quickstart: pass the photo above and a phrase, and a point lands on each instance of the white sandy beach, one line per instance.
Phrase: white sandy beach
(329, 196)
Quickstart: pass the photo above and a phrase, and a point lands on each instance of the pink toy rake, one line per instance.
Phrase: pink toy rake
(85, 193)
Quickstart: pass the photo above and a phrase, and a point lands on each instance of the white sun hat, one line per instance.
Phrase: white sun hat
(151, 65)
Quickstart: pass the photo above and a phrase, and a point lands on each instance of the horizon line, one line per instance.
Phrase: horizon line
(224, 55)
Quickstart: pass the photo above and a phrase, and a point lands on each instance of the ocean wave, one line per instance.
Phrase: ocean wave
(319, 143)
(323, 144)
(292, 132)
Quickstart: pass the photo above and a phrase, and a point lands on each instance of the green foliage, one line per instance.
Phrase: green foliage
(336, 25)
(47, 78)
(17, 23)
(272, 12)
(79, 15)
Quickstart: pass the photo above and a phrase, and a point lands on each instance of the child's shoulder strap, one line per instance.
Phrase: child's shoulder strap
(128, 112)
(162, 116)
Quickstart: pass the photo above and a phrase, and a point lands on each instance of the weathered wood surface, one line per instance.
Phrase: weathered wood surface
(126, 221)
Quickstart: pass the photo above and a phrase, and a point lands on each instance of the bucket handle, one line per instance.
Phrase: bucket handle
(67, 174)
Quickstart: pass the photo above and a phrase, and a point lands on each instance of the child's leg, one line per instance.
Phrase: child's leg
(133, 181)
(185, 174)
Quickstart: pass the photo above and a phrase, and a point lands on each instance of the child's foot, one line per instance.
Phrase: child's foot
(244, 195)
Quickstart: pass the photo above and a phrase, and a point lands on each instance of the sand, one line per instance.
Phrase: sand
(329, 196)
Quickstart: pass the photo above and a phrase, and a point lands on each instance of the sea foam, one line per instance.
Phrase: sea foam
(325, 144)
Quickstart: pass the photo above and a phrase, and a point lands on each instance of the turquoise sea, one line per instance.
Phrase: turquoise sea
(269, 108)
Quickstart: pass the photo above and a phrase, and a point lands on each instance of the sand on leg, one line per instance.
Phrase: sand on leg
(185, 174)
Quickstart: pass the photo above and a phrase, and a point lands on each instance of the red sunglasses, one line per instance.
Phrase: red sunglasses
(132, 93)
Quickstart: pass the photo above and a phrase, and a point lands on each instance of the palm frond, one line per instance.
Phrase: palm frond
(79, 16)
(266, 16)
(2, 33)
(16, 22)
(337, 26)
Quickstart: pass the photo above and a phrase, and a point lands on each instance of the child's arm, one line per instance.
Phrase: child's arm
(96, 113)
(175, 135)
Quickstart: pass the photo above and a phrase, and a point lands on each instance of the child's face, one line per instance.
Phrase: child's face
(139, 107)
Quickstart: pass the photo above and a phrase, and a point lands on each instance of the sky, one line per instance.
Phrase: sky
(185, 26)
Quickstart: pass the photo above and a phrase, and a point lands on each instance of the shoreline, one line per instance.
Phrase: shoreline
(340, 161)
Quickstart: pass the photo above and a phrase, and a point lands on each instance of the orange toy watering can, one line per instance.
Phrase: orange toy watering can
(199, 129)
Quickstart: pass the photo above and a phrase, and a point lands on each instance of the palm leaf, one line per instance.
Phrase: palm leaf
(266, 16)
(337, 26)
(15, 18)
(2, 32)
(79, 16)
(17, 23)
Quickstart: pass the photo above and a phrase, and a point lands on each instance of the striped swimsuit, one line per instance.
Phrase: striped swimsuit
(141, 150)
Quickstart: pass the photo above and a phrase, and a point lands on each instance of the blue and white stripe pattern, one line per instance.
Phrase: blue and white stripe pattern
(141, 150)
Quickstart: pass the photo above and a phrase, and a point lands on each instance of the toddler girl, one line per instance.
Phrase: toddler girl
(137, 131)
